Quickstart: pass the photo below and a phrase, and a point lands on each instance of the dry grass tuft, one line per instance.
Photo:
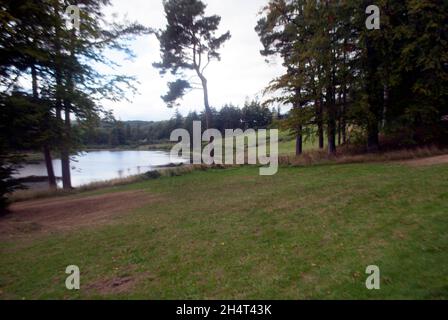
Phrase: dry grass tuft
(30, 194)
(318, 157)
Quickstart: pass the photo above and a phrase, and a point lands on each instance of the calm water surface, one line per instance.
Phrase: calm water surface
(104, 165)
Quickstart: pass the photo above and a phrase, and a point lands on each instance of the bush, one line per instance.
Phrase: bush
(8, 166)
(152, 175)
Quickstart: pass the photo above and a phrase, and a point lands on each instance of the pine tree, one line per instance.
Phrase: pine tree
(36, 41)
(189, 43)
(78, 87)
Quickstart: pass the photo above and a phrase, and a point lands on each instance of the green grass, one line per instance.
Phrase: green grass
(223, 234)
(286, 143)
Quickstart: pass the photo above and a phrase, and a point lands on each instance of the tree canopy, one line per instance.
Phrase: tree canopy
(61, 63)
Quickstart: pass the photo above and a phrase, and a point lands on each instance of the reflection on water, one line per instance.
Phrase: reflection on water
(104, 165)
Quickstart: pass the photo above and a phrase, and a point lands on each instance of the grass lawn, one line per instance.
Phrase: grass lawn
(286, 143)
(223, 234)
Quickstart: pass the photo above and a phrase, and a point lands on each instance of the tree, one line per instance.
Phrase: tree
(230, 117)
(278, 31)
(19, 124)
(418, 86)
(189, 43)
(36, 41)
(189, 120)
(178, 120)
(256, 116)
(78, 87)
(8, 166)
(297, 32)
(24, 49)
(340, 74)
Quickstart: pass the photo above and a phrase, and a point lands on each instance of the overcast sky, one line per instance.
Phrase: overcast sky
(242, 73)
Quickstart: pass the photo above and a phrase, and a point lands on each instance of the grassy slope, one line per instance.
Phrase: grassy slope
(304, 233)
(286, 143)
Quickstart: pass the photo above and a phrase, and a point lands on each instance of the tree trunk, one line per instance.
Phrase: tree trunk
(66, 176)
(331, 134)
(343, 119)
(65, 153)
(340, 130)
(299, 142)
(321, 137)
(373, 122)
(50, 169)
(385, 106)
(46, 149)
(208, 111)
(331, 125)
(298, 107)
(59, 119)
(344, 97)
(65, 150)
(375, 91)
(373, 141)
(320, 124)
(34, 79)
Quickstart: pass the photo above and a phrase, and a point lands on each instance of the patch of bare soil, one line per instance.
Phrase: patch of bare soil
(117, 285)
(65, 214)
(427, 161)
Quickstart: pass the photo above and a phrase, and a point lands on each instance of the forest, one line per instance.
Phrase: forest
(115, 133)
(343, 76)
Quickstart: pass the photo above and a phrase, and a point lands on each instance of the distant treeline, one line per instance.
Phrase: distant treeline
(111, 132)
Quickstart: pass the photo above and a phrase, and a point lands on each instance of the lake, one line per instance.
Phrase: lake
(98, 166)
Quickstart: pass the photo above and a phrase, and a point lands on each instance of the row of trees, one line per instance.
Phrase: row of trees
(341, 76)
(111, 132)
(49, 74)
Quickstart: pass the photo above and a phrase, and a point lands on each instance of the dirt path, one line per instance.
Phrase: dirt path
(427, 161)
(63, 214)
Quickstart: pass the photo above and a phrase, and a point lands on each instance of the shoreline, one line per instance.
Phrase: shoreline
(33, 157)
(313, 158)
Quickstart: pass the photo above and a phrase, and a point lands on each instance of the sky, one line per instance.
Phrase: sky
(241, 74)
